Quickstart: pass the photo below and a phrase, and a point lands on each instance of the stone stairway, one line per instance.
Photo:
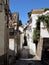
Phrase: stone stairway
(25, 52)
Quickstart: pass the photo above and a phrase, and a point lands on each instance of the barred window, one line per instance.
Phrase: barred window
(11, 31)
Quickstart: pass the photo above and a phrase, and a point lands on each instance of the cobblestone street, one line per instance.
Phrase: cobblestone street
(27, 62)
(26, 59)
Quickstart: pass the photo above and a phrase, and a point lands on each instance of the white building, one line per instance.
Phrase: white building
(30, 31)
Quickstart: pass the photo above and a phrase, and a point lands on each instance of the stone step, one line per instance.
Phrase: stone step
(26, 47)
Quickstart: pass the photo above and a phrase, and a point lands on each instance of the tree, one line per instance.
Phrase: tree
(20, 22)
(45, 9)
(36, 35)
(29, 14)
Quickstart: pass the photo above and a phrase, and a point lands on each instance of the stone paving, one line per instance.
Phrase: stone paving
(26, 60)
(25, 55)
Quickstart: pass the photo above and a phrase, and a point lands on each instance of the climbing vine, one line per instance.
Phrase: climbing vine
(36, 34)
(45, 9)
(45, 20)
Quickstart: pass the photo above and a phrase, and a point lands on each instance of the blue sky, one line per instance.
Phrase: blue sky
(24, 6)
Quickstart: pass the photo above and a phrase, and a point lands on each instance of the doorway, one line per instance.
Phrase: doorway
(45, 52)
(25, 41)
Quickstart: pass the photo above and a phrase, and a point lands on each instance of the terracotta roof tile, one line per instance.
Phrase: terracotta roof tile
(37, 11)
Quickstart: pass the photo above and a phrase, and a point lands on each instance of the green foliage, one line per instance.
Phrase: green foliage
(45, 9)
(37, 32)
(38, 24)
(36, 35)
(29, 14)
(20, 22)
(45, 20)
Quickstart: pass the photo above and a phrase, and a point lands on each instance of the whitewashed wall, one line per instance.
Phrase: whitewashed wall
(21, 37)
(11, 44)
(21, 40)
(43, 31)
(32, 45)
(34, 19)
(30, 31)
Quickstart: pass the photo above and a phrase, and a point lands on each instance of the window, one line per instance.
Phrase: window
(11, 31)
(0, 5)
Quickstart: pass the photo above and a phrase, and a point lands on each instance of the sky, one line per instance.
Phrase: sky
(24, 6)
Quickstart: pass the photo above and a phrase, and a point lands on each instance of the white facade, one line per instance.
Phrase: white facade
(11, 44)
(30, 31)
(44, 32)
(31, 45)
(21, 29)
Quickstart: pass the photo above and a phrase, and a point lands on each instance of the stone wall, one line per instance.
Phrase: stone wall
(40, 48)
(3, 35)
(17, 42)
(2, 29)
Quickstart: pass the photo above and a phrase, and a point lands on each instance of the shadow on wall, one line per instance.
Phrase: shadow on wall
(25, 41)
